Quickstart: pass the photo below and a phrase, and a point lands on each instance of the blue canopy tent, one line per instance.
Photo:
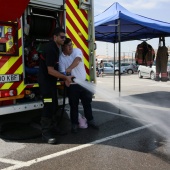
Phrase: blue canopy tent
(132, 26)
(116, 24)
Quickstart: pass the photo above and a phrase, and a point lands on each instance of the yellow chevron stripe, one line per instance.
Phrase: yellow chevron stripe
(21, 87)
(8, 64)
(78, 11)
(19, 70)
(19, 33)
(20, 51)
(86, 63)
(87, 77)
(83, 32)
(6, 86)
(77, 36)
(35, 85)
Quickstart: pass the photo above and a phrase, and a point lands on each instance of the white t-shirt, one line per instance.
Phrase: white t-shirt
(66, 60)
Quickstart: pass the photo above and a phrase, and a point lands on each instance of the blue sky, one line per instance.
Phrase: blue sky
(156, 9)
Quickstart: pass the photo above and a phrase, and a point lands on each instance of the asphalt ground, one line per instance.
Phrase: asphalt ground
(124, 141)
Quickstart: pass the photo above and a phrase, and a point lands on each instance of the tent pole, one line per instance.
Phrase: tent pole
(114, 68)
(119, 40)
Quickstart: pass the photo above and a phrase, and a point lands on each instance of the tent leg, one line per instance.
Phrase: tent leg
(161, 39)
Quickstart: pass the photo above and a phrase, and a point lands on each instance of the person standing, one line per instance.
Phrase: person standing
(71, 62)
(101, 69)
(97, 68)
(47, 79)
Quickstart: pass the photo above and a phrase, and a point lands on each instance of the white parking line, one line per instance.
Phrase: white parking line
(10, 161)
(57, 154)
(117, 114)
(160, 85)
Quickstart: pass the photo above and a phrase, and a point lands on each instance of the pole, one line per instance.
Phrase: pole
(114, 69)
(119, 40)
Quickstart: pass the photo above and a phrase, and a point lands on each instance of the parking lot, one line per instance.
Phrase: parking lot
(133, 132)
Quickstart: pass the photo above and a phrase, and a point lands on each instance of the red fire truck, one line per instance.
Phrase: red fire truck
(25, 26)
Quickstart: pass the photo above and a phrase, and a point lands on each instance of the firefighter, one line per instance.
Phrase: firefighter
(48, 74)
(161, 63)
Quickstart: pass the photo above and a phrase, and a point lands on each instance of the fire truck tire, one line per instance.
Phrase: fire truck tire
(19, 131)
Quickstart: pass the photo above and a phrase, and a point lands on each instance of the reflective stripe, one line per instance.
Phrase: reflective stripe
(47, 100)
(163, 74)
(77, 29)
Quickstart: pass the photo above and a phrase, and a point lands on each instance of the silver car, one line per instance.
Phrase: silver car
(150, 72)
(129, 67)
(109, 68)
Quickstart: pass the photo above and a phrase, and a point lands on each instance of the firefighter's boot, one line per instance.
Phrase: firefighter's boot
(157, 78)
(47, 132)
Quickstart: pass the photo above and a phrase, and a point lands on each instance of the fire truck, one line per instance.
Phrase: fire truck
(25, 26)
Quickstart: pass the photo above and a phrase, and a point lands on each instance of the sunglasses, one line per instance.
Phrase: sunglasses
(62, 37)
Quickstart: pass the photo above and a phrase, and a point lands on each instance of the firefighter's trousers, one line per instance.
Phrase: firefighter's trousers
(161, 64)
(50, 103)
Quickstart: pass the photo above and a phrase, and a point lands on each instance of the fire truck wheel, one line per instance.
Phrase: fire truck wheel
(19, 131)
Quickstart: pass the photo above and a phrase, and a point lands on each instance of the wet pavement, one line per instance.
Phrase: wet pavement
(123, 142)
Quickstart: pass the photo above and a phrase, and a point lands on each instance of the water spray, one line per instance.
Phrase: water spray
(150, 113)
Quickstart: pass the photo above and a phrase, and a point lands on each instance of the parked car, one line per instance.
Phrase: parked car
(147, 71)
(129, 67)
(109, 68)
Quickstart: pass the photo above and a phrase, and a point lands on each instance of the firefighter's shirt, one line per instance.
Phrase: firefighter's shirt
(50, 58)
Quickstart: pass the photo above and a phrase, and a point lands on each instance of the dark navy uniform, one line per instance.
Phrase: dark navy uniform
(47, 82)
(48, 90)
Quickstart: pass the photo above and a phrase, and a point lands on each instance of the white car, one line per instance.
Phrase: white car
(109, 68)
(147, 71)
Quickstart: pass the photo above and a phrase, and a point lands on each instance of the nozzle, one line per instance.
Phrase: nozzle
(72, 79)
(68, 74)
